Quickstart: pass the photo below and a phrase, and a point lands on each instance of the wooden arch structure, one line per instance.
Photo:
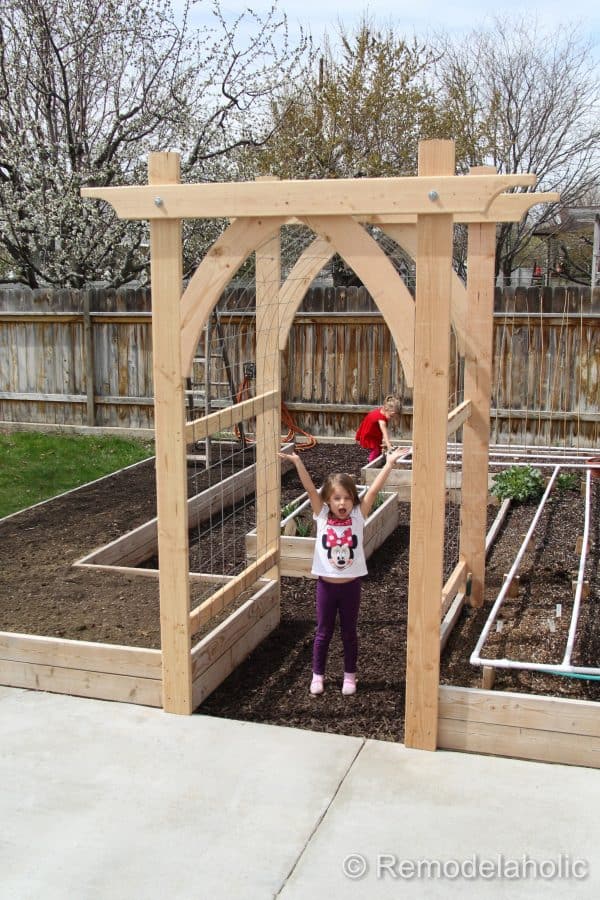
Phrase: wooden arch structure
(419, 213)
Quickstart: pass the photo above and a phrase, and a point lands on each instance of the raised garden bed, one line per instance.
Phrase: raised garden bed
(400, 478)
(296, 550)
(134, 674)
(43, 595)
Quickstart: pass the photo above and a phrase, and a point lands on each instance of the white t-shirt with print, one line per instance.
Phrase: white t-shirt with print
(339, 545)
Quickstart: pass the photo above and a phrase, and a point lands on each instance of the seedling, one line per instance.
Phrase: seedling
(289, 509)
(303, 527)
(377, 502)
(568, 481)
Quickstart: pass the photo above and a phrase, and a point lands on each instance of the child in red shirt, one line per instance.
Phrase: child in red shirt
(372, 432)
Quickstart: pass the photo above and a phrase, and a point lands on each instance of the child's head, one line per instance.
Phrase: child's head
(392, 406)
(339, 493)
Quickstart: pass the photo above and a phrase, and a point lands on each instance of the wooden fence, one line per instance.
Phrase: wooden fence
(76, 357)
(84, 358)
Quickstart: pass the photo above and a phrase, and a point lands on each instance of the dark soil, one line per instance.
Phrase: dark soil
(41, 593)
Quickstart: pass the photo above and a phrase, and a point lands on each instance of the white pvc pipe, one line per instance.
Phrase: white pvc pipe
(403, 458)
(296, 509)
(579, 459)
(536, 667)
(581, 571)
(542, 464)
(475, 658)
(533, 450)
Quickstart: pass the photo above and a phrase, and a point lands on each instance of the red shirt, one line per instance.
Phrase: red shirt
(369, 434)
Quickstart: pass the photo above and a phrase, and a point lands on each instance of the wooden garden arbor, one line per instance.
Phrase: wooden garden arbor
(419, 213)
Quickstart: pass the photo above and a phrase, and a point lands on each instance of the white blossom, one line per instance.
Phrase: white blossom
(87, 88)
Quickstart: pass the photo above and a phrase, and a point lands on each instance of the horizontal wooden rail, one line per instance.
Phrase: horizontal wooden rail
(527, 726)
(518, 317)
(226, 595)
(49, 318)
(455, 581)
(458, 416)
(71, 654)
(219, 421)
(99, 400)
(497, 524)
(545, 414)
(570, 317)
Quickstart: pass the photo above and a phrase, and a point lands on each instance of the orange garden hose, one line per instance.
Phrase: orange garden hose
(286, 418)
(293, 430)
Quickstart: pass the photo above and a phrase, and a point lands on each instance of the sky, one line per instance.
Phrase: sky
(422, 17)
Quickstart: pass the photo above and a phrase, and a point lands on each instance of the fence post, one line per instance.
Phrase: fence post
(88, 359)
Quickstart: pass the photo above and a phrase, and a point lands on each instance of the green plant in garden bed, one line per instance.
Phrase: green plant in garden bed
(519, 483)
(36, 466)
(304, 527)
(568, 481)
(289, 509)
(377, 502)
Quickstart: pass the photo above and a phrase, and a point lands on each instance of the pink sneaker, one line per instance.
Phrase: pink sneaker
(349, 685)
(316, 685)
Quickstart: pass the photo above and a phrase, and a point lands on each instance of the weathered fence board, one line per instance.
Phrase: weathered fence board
(85, 358)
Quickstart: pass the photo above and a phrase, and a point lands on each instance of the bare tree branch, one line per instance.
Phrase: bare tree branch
(533, 102)
(88, 87)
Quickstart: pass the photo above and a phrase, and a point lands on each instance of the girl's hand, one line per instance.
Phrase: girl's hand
(394, 455)
(293, 456)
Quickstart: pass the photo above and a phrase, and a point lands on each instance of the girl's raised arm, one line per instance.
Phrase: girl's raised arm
(380, 479)
(307, 483)
(385, 434)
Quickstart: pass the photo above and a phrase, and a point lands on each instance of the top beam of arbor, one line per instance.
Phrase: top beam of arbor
(418, 195)
(504, 208)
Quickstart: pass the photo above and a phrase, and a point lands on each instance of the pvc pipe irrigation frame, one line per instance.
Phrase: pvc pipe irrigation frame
(564, 668)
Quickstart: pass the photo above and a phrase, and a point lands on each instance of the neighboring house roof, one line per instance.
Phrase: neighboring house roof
(570, 219)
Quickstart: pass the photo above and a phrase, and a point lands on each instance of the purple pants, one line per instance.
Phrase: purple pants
(332, 597)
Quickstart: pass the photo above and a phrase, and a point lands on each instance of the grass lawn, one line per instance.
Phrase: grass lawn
(35, 466)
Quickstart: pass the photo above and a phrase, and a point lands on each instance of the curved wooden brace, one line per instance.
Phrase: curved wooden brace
(215, 271)
(510, 207)
(367, 259)
(300, 278)
(406, 237)
(505, 208)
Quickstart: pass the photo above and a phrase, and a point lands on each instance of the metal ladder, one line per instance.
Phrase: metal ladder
(198, 393)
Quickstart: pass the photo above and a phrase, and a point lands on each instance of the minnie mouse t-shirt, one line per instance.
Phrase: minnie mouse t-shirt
(339, 547)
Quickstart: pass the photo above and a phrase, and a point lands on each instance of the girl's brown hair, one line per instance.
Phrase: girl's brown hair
(340, 479)
(392, 405)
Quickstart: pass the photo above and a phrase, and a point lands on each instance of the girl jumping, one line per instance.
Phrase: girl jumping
(339, 562)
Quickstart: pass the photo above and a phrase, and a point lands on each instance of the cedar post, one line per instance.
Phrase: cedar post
(171, 466)
(478, 388)
(430, 405)
(268, 378)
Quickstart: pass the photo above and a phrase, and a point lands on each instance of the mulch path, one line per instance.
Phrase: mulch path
(41, 593)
